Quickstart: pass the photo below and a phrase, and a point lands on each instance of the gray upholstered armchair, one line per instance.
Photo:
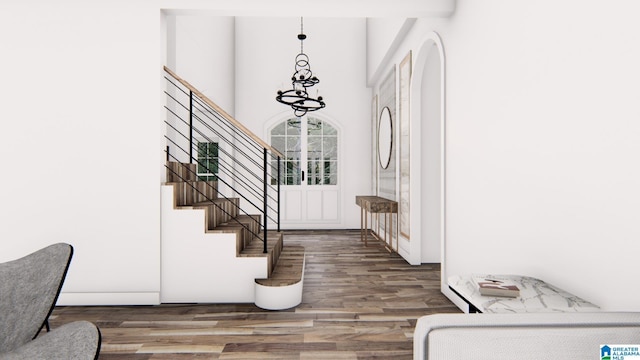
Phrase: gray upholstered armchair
(29, 289)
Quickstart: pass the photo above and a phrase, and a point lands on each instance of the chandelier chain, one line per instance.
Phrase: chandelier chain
(301, 40)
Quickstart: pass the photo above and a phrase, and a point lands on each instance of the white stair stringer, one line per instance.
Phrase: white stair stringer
(202, 267)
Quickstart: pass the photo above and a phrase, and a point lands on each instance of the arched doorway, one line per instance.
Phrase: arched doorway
(428, 120)
(431, 154)
(310, 171)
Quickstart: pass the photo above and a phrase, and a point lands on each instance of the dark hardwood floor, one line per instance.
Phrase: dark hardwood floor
(358, 303)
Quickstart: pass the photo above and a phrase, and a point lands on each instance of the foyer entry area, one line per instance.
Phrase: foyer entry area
(358, 302)
(310, 176)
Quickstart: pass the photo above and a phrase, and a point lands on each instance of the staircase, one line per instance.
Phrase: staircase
(216, 245)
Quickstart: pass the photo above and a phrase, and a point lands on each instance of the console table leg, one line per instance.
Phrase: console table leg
(362, 229)
(397, 232)
(390, 242)
(366, 228)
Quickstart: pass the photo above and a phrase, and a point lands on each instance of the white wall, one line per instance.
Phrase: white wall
(541, 141)
(266, 50)
(381, 34)
(201, 50)
(81, 142)
(204, 55)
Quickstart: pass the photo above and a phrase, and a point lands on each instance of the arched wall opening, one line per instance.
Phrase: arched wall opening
(428, 120)
(430, 156)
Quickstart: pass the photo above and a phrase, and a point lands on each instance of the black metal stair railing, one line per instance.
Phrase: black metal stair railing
(246, 166)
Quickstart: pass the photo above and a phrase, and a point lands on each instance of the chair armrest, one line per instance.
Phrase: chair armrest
(479, 336)
(79, 340)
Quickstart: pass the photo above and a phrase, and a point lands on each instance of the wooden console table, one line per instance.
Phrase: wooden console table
(377, 205)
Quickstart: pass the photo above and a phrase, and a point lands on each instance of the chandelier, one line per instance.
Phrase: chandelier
(302, 80)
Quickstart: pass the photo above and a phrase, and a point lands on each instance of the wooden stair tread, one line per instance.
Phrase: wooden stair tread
(172, 181)
(225, 230)
(256, 248)
(242, 222)
(214, 202)
(203, 204)
(274, 249)
(289, 268)
(238, 223)
(251, 219)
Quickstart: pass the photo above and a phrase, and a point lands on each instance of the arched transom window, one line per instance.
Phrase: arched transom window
(310, 149)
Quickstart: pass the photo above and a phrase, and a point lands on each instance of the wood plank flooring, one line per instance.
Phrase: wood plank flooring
(358, 303)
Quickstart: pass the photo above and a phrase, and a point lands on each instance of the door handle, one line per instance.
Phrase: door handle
(302, 176)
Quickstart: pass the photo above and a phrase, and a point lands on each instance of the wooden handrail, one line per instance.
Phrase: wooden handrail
(224, 114)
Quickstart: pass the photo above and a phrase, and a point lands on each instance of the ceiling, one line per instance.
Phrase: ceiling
(316, 8)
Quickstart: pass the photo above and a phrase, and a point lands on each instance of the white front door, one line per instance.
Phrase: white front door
(310, 196)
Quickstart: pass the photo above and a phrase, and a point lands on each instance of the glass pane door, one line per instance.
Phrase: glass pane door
(322, 153)
(286, 138)
(309, 172)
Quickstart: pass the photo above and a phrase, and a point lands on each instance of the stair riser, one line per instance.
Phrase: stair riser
(178, 172)
(189, 193)
(221, 213)
(205, 191)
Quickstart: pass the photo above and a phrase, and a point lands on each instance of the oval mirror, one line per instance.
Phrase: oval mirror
(385, 138)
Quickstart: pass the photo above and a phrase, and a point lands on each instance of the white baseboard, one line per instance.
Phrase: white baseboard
(123, 298)
(461, 304)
